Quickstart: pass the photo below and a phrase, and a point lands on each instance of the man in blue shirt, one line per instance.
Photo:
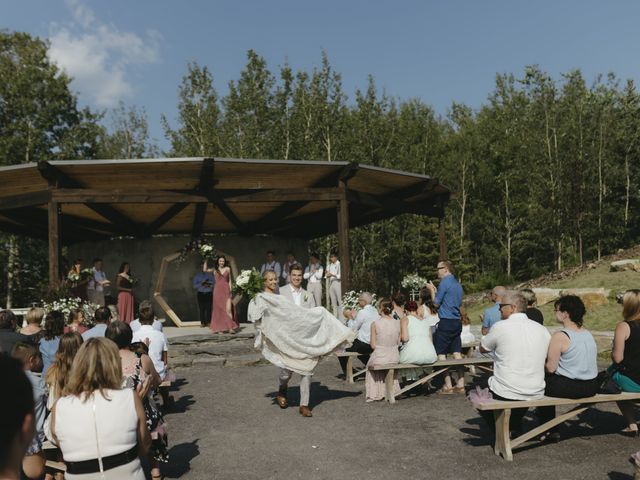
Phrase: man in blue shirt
(492, 315)
(203, 283)
(446, 339)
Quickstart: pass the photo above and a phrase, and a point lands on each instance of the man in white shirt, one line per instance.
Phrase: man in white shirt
(291, 261)
(135, 324)
(272, 264)
(362, 326)
(95, 288)
(298, 295)
(519, 348)
(313, 275)
(335, 289)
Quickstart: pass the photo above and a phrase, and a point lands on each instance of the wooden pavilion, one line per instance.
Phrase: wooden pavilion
(71, 201)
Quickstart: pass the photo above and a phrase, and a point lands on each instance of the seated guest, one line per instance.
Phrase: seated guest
(76, 322)
(29, 356)
(418, 346)
(101, 317)
(626, 356)
(17, 418)
(33, 329)
(385, 340)
(8, 335)
(571, 364)
(398, 301)
(146, 305)
(58, 374)
(491, 315)
(466, 337)
(53, 328)
(532, 312)
(361, 324)
(97, 418)
(519, 347)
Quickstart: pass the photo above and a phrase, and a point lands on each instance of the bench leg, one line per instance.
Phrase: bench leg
(390, 394)
(503, 442)
(350, 370)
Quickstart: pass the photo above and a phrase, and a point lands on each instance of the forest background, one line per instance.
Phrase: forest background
(544, 172)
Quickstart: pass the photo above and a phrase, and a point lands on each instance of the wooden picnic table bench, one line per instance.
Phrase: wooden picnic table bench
(48, 446)
(502, 413)
(439, 367)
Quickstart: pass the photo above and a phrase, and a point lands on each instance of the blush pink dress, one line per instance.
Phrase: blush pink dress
(386, 352)
(220, 320)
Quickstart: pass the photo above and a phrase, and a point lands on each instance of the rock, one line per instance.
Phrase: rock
(625, 265)
(208, 360)
(182, 361)
(224, 349)
(244, 360)
(591, 266)
(592, 297)
(546, 295)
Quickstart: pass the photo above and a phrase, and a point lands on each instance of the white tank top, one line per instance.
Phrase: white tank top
(116, 421)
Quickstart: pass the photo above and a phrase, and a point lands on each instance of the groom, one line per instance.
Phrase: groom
(298, 295)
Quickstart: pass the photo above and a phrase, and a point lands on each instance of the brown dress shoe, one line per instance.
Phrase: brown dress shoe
(281, 398)
(305, 412)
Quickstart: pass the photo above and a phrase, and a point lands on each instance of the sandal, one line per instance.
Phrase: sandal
(446, 391)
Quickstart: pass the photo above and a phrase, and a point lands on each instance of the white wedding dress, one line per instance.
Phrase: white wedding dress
(294, 337)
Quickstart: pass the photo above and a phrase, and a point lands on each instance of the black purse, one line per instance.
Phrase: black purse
(606, 384)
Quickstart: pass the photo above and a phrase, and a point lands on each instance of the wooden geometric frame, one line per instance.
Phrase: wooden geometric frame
(160, 284)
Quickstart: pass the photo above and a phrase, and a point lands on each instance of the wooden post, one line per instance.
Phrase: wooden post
(54, 243)
(442, 239)
(343, 239)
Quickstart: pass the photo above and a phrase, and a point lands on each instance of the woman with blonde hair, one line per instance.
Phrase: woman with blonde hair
(33, 329)
(100, 427)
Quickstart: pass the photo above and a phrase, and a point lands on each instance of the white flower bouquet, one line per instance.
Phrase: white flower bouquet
(413, 281)
(249, 283)
(68, 304)
(350, 300)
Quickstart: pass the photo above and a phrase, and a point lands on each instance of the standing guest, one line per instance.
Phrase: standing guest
(53, 328)
(415, 333)
(8, 335)
(291, 261)
(335, 289)
(29, 356)
(313, 274)
(626, 356)
(491, 315)
(124, 283)
(519, 348)
(271, 264)
(204, 282)
(572, 364)
(101, 318)
(59, 373)
(77, 281)
(532, 312)
(17, 418)
(222, 315)
(385, 340)
(97, 282)
(398, 300)
(33, 329)
(448, 298)
(97, 419)
(361, 324)
(76, 322)
(145, 305)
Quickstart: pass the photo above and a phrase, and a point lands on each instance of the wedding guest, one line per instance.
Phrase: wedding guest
(291, 261)
(97, 282)
(572, 364)
(33, 328)
(519, 347)
(398, 300)
(532, 312)
(361, 324)
(59, 372)
(53, 328)
(94, 396)
(17, 418)
(8, 335)
(101, 318)
(335, 289)
(222, 315)
(626, 356)
(313, 274)
(76, 322)
(415, 333)
(385, 340)
(448, 299)
(271, 264)
(145, 305)
(203, 282)
(491, 315)
(466, 336)
(77, 281)
(124, 283)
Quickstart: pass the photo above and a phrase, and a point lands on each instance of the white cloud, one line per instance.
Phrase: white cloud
(98, 56)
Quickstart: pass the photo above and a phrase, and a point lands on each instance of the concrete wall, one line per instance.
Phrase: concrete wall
(145, 256)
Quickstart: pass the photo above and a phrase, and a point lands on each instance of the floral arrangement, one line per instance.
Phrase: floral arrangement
(413, 281)
(350, 300)
(74, 277)
(67, 304)
(249, 283)
(206, 249)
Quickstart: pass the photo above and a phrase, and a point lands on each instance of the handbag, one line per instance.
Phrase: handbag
(606, 384)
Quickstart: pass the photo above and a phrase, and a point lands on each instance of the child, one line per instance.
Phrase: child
(466, 336)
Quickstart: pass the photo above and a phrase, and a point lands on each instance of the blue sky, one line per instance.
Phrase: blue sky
(439, 51)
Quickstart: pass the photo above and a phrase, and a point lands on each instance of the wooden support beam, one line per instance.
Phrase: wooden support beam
(36, 216)
(31, 199)
(91, 195)
(343, 239)
(320, 194)
(168, 214)
(54, 242)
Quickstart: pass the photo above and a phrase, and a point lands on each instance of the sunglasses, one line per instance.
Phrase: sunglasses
(505, 305)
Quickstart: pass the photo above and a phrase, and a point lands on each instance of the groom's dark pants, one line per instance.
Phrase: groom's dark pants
(363, 348)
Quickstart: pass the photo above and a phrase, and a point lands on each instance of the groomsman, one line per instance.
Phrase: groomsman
(97, 282)
(298, 295)
(335, 289)
(271, 264)
(313, 275)
(203, 282)
(291, 261)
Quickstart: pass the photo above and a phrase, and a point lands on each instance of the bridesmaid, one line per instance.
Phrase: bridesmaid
(78, 288)
(222, 316)
(125, 293)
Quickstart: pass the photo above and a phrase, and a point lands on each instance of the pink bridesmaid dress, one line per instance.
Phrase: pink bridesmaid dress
(220, 319)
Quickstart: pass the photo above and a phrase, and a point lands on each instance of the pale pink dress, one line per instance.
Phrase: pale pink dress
(386, 352)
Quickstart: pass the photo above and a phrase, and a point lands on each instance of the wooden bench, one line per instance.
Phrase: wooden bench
(350, 375)
(439, 367)
(47, 446)
(502, 413)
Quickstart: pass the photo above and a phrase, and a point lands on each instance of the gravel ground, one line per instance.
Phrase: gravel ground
(227, 426)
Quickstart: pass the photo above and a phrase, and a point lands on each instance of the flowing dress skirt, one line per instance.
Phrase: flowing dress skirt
(125, 306)
(220, 319)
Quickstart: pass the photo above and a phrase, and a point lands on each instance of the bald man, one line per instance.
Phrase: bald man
(492, 314)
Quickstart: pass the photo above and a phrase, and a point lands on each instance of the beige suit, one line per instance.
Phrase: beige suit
(306, 299)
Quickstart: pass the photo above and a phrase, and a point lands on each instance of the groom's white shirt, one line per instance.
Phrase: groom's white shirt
(298, 296)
